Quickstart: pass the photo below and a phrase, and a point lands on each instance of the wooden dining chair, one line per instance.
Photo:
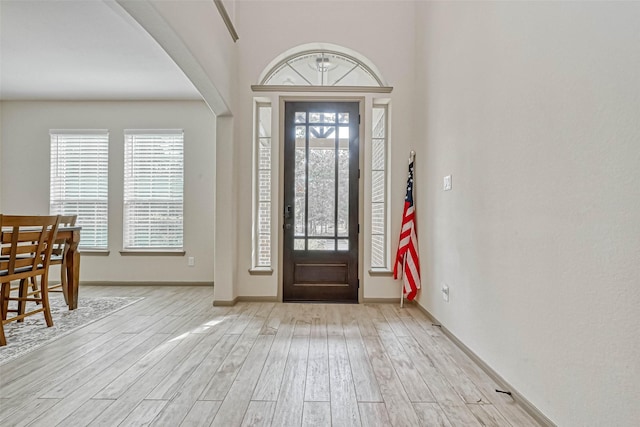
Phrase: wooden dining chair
(26, 245)
(59, 257)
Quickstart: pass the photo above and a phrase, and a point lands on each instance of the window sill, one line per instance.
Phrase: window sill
(94, 252)
(151, 252)
(380, 272)
(261, 271)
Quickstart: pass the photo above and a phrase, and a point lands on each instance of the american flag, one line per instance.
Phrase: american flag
(407, 260)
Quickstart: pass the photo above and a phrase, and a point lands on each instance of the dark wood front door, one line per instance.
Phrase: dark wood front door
(321, 201)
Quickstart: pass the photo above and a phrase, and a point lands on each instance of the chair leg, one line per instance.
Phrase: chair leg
(3, 339)
(34, 288)
(3, 310)
(23, 293)
(4, 298)
(44, 290)
(63, 278)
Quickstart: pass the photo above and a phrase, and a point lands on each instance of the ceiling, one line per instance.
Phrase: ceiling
(82, 50)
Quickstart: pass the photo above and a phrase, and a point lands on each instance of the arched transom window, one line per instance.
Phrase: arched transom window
(321, 69)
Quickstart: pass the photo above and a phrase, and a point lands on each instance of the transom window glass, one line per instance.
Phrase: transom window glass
(321, 68)
(153, 189)
(79, 182)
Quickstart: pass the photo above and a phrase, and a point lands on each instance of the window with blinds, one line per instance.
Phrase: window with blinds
(79, 182)
(379, 194)
(153, 189)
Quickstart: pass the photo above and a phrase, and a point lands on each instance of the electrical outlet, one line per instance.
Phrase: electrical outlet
(445, 292)
(447, 183)
(191, 261)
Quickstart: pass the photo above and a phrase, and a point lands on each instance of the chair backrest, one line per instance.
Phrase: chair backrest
(26, 242)
(65, 221)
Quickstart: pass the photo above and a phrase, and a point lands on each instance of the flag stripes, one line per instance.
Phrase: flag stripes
(407, 263)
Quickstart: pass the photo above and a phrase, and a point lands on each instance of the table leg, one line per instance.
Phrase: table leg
(73, 271)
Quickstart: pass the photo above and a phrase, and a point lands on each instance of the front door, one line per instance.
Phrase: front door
(321, 201)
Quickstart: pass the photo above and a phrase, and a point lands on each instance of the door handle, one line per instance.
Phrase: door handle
(287, 211)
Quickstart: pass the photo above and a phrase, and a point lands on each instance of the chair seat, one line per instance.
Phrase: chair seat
(17, 270)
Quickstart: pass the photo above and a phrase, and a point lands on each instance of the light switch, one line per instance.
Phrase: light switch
(447, 183)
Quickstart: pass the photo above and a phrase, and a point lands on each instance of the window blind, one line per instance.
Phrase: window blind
(79, 182)
(153, 189)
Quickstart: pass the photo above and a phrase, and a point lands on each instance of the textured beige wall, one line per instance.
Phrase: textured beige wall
(26, 146)
(533, 108)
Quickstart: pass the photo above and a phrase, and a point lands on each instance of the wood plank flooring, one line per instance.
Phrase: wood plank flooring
(173, 359)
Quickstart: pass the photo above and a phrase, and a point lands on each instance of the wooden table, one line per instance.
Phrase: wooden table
(72, 236)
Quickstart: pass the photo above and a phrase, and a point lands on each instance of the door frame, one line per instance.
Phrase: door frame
(279, 211)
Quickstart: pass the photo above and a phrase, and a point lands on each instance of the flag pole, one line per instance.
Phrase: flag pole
(412, 156)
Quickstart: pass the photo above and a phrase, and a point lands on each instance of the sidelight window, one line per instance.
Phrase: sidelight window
(379, 215)
(262, 187)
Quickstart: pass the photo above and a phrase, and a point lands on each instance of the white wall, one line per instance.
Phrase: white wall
(533, 107)
(381, 31)
(1, 156)
(25, 169)
(194, 35)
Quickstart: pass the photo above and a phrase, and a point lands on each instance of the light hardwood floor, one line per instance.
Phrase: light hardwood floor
(174, 360)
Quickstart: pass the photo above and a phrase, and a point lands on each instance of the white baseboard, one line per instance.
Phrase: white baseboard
(104, 283)
(528, 407)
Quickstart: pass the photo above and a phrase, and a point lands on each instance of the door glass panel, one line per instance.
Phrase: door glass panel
(343, 244)
(343, 187)
(343, 118)
(300, 182)
(322, 132)
(343, 132)
(301, 117)
(328, 117)
(322, 245)
(322, 117)
(298, 244)
(322, 184)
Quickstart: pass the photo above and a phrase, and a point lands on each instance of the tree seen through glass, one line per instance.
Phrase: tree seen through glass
(326, 143)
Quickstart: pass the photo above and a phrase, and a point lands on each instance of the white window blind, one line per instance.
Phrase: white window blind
(79, 182)
(153, 189)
